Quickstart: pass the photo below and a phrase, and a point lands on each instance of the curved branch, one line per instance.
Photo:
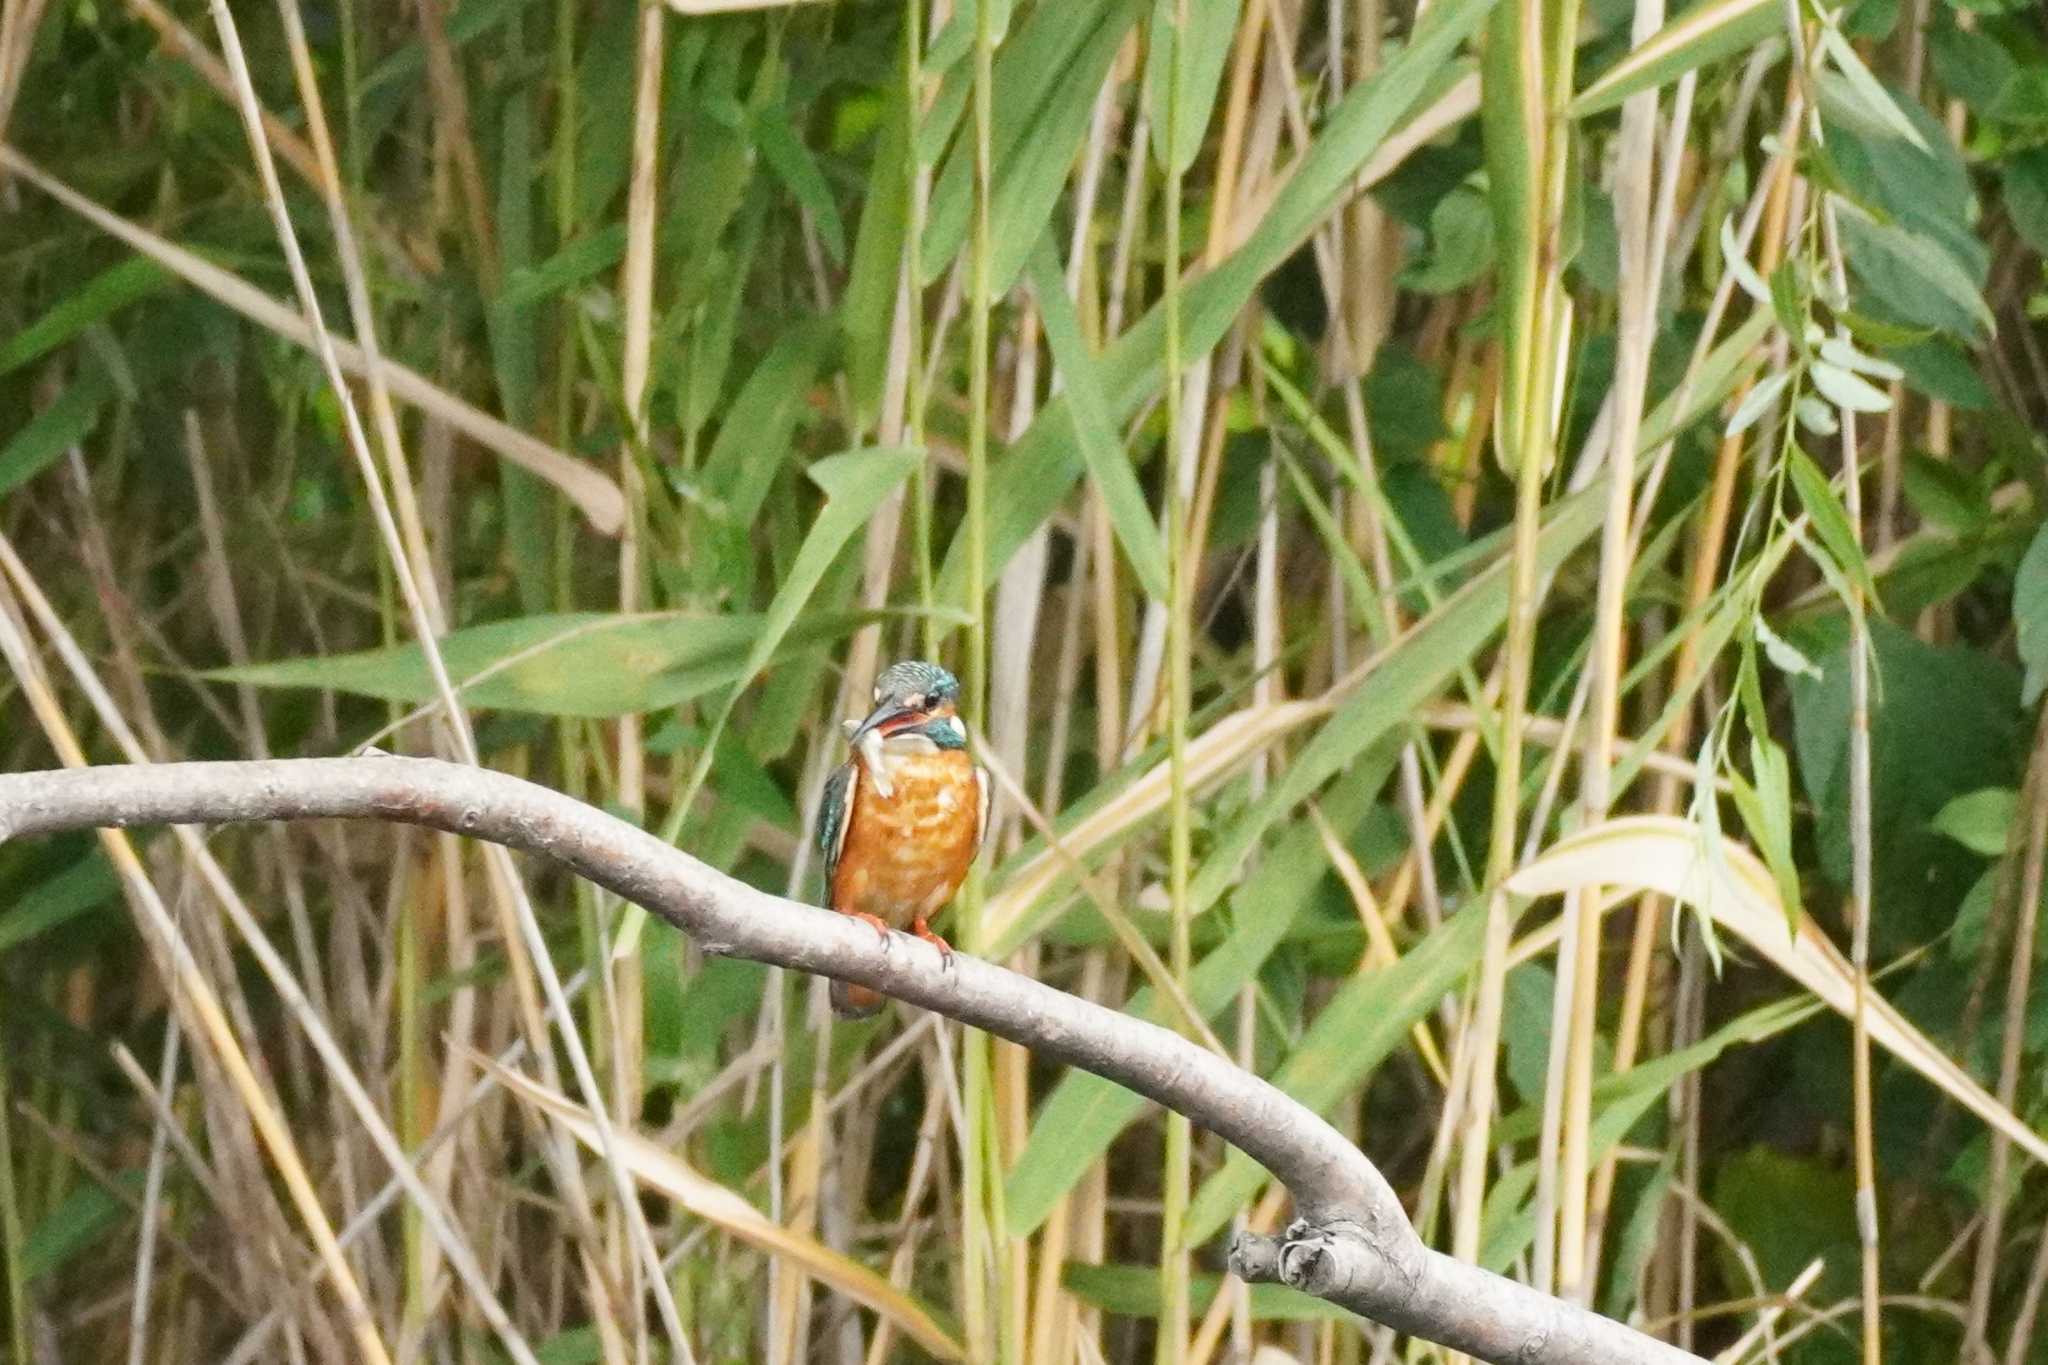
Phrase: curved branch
(1353, 1246)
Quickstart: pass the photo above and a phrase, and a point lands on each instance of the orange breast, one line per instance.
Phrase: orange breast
(907, 853)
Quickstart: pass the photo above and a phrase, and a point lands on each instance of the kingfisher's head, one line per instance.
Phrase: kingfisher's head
(915, 699)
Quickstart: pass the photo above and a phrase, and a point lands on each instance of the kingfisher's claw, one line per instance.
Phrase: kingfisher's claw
(919, 929)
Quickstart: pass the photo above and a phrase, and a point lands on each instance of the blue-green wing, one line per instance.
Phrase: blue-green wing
(835, 813)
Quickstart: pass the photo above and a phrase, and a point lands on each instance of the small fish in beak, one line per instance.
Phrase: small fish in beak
(866, 738)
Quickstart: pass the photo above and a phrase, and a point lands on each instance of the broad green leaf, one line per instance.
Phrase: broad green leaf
(591, 664)
(1939, 369)
(1980, 821)
(1366, 1019)
(1752, 1191)
(2030, 614)
(1108, 464)
(1913, 276)
(1132, 1291)
(1035, 474)
(1704, 33)
(54, 430)
(2024, 179)
(1972, 66)
(97, 299)
(1944, 721)
(1084, 1113)
(1461, 244)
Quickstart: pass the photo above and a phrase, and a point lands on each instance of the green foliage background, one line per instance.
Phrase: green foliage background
(1296, 516)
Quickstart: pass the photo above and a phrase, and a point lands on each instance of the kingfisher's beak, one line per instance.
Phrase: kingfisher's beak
(883, 718)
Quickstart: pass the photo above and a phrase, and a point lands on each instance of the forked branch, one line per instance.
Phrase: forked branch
(1352, 1243)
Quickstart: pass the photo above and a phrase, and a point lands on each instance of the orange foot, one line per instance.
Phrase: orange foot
(875, 922)
(919, 929)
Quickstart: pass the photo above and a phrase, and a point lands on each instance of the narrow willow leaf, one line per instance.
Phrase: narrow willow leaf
(1787, 305)
(1870, 99)
(81, 1220)
(1745, 273)
(1837, 351)
(1830, 520)
(1757, 402)
(1784, 655)
(1720, 371)
(1766, 810)
(1704, 33)
(1664, 854)
(1846, 391)
(1816, 416)
(1108, 464)
(1368, 1018)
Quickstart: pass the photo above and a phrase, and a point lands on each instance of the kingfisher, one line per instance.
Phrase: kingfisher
(903, 818)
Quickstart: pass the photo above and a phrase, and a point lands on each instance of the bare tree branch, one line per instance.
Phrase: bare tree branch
(1353, 1244)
